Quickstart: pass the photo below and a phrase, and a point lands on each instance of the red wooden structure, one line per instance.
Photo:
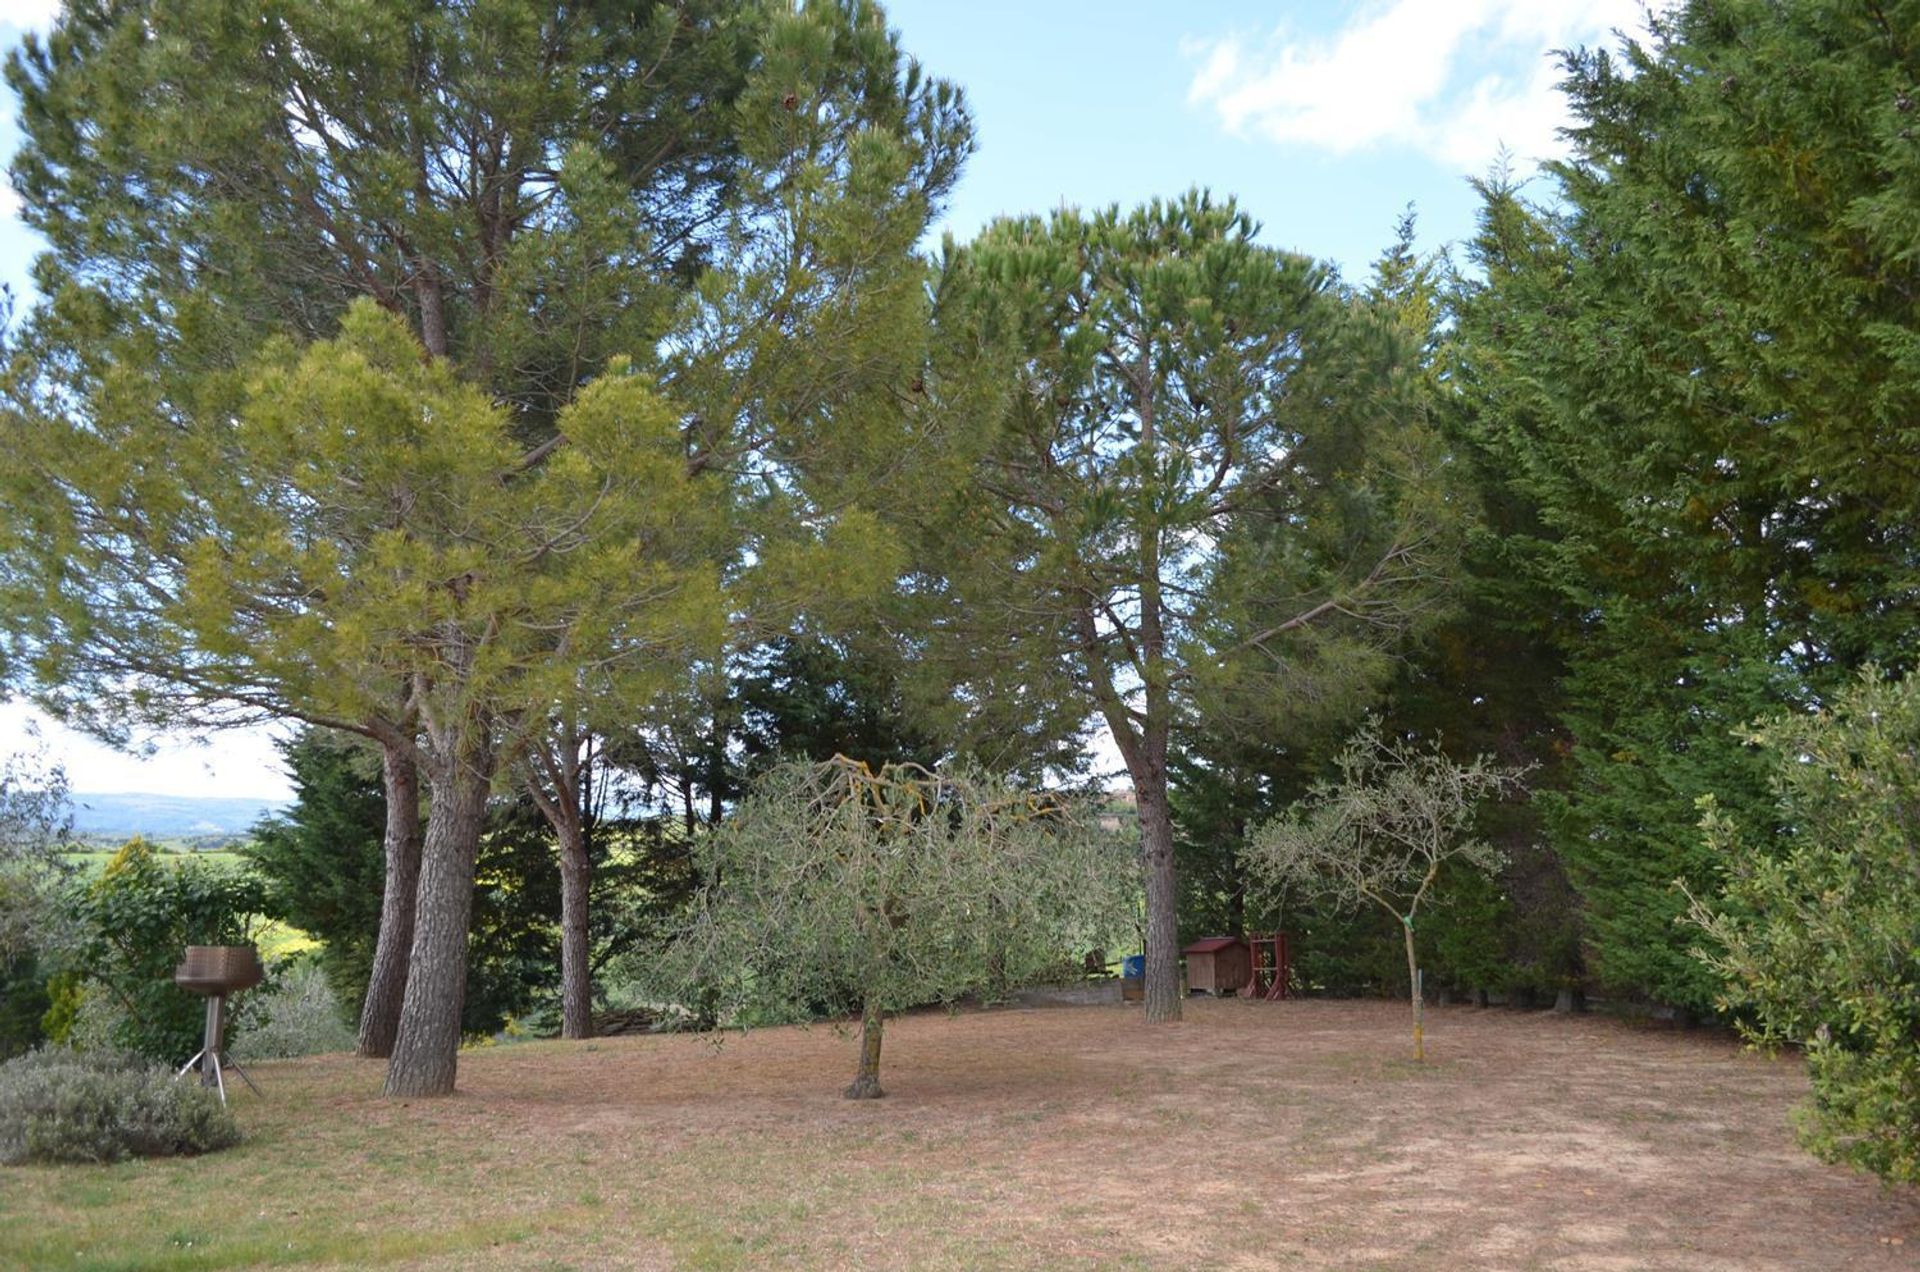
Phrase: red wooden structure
(1272, 966)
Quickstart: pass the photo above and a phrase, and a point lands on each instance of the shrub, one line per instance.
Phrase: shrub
(1818, 934)
(59, 1105)
(297, 1015)
(137, 919)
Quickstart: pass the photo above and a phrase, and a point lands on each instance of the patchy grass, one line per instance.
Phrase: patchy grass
(1251, 1135)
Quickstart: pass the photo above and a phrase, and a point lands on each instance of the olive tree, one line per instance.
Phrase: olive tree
(837, 888)
(1381, 831)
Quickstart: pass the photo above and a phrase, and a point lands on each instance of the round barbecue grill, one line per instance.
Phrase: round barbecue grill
(215, 971)
(219, 969)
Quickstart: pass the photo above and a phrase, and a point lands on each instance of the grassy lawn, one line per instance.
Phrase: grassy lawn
(1251, 1135)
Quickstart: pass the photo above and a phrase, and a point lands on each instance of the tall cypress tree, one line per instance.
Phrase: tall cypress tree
(1702, 370)
(321, 857)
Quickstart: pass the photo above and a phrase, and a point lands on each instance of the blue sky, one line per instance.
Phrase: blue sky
(1325, 120)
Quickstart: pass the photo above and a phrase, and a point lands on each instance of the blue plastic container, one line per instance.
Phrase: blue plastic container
(1134, 967)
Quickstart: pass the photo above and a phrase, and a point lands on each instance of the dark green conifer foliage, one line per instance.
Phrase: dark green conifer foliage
(812, 698)
(321, 858)
(1702, 369)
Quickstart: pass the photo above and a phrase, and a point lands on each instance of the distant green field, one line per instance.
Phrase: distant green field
(165, 843)
(93, 860)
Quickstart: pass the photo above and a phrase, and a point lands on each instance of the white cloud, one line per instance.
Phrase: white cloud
(1456, 79)
(29, 15)
(232, 762)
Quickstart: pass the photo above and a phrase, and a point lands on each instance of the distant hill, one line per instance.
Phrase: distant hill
(121, 816)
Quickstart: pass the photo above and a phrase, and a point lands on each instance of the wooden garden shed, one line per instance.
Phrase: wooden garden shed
(1219, 965)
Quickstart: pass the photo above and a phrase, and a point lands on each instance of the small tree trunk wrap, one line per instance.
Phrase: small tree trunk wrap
(1162, 990)
(866, 1081)
(426, 1051)
(576, 979)
(1413, 991)
(386, 987)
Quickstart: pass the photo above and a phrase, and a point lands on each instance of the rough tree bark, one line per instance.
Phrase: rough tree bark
(1162, 991)
(866, 1080)
(558, 778)
(1148, 762)
(1144, 749)
(386, 987)
(426, 1050)
(576, 980)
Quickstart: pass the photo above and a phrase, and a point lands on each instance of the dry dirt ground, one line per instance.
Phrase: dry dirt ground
(1251, 1135)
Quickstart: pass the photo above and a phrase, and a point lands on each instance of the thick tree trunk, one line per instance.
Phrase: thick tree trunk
(866, 1082)
(426, 1052)
(380, 1011)
(576, 971)
(1149, 761)
(1162, 989)
(1413, 991)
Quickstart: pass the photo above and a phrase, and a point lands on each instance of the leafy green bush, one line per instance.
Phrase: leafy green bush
(1819, 929)
(136, 920)
(86, 1016)
(60, 1105)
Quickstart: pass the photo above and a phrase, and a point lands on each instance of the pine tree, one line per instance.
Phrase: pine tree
(500, 176)
(1205, 480)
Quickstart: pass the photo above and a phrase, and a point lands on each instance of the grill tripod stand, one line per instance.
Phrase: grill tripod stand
(210, 1057)
(213, 972)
